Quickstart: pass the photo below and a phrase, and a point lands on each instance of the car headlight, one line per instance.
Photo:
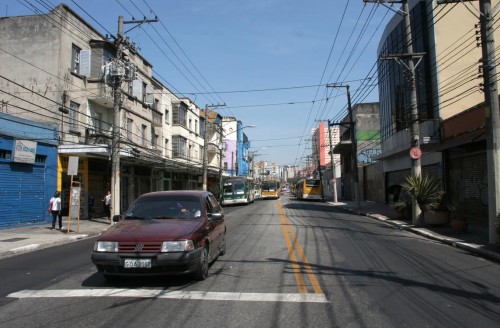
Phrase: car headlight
(177, 246)
(106, 246)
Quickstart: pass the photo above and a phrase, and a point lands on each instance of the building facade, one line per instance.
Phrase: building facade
(59, 70)
(450, 102)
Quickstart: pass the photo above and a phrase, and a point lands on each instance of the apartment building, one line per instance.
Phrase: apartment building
(59, 70)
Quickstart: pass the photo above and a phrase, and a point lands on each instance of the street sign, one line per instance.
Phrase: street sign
(73, 165)
(415, 152)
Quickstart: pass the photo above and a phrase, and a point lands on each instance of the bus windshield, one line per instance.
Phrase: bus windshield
(269, 185)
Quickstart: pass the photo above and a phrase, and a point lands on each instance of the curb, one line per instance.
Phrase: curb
(472, 248)
(32, 247)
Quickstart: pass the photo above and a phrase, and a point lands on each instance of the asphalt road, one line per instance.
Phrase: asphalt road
(288, 264)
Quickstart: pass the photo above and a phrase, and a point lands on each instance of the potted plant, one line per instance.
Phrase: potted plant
(458, 222)
(427, 193)
(403, 210)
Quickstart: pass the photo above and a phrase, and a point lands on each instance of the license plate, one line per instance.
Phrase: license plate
(137, 263)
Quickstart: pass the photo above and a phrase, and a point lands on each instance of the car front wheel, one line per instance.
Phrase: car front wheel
(223, 245)
(201, 272)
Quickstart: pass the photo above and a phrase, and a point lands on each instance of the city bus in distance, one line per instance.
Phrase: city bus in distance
(308, 189)
(270, 189)
(237, 190)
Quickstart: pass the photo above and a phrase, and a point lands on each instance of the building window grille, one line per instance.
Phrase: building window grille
(73, 115)
(75, 59)
(5, 154)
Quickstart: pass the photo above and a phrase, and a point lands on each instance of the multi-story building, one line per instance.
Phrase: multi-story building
(366, 123)
(59, 70)
(450, 102)
(321, 154)
(236, 145)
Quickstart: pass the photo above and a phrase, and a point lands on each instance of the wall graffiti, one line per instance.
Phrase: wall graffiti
(366, 156)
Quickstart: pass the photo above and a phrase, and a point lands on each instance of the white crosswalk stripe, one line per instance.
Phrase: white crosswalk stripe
(166, 294)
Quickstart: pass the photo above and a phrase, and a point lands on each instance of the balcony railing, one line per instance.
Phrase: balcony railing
(102, 94)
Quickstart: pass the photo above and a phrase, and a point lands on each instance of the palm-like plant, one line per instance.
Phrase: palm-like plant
(426, 190)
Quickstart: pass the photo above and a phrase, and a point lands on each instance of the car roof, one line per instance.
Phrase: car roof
(194, 193)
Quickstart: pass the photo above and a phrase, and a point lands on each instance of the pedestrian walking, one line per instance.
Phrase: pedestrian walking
(55, 209)
(107, 204)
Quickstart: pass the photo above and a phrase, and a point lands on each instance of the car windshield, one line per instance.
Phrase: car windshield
(164, 207)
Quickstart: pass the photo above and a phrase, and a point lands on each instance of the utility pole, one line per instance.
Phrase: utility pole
(120, 71)
(492, 115)
(115, 144)
(416, 168)
(205, 159)
(334, 177)
(354, 143)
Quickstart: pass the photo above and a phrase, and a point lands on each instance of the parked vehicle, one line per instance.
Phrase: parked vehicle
(237, 190)
(163, 233)
(257, 191)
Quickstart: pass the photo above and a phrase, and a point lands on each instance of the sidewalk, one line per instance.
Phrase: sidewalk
(474, 240)
(23, 239)
(18, 240)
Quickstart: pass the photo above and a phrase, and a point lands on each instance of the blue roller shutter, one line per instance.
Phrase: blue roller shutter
(22, 194)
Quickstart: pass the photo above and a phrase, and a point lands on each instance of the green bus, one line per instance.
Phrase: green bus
(237, 190)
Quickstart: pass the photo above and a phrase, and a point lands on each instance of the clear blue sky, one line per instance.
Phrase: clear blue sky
(267, 60)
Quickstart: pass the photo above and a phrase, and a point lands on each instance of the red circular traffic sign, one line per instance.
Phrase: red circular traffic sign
(415, 152)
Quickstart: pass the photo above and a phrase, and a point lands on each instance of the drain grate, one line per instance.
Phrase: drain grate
(11, 240)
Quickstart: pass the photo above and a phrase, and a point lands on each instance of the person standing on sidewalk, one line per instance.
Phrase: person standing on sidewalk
(55, 209)
(107, 204)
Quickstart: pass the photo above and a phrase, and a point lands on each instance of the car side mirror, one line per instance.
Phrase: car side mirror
(116, 218)
(217, 216)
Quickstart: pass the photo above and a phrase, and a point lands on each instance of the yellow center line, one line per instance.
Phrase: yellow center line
(296, 269)
(287, 230)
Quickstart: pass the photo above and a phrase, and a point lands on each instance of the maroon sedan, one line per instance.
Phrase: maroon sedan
(166, 232)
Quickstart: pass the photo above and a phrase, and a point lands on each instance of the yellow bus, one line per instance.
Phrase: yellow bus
(270, 189)
(309, 189)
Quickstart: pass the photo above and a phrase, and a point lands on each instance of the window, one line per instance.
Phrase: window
(75, 59)
(73, 115)
(98, 122)
(154, 138)
(167, 148)
(130, 124)
(190, 125)
(195, 126)
(144, 92)
(143, 135)
(179, 114)
(167, 116)
(5, 154)
(40, 159)
(179, 148)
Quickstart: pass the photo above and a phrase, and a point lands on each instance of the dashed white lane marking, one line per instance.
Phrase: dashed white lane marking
(166, 294)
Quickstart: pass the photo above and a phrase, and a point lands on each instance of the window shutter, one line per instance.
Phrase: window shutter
(85, 63)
